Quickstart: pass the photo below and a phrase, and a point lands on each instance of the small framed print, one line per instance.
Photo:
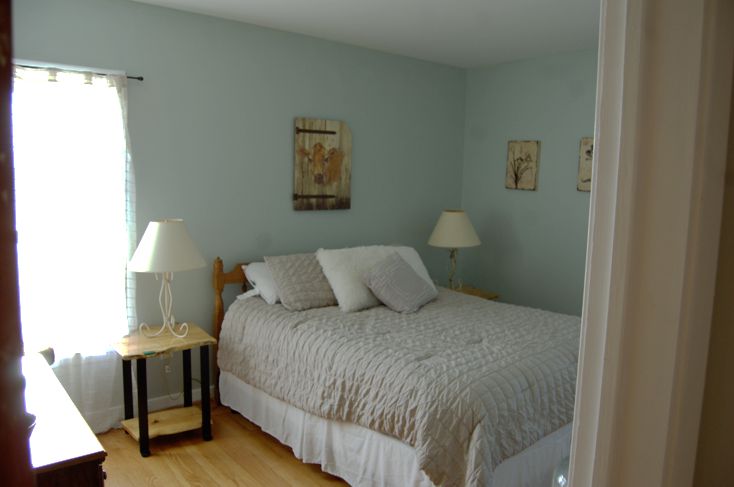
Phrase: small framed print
(586, 156)
(522, 164)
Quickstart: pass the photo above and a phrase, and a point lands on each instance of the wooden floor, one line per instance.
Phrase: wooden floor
(239, 454)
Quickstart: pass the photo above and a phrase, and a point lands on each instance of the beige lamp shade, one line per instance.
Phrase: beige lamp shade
(166, 246)
(453, 230)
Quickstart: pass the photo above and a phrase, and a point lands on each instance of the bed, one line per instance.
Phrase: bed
(463, 392)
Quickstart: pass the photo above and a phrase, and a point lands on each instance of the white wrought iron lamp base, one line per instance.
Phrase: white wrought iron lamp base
(165, 300)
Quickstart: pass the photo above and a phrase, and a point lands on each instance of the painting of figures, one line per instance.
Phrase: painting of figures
(323, 165)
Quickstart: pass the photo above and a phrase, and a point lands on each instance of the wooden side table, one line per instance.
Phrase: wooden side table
(480, 293)
(139, 347)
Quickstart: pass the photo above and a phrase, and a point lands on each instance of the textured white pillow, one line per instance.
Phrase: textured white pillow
(346, 269)
(301, 282)
(394, 282)
(259, 276)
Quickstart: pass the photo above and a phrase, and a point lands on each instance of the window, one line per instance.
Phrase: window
(74, 209)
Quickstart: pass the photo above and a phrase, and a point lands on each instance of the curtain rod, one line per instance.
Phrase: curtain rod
(137, 78)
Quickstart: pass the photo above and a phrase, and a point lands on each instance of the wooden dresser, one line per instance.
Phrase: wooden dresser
(64, 450)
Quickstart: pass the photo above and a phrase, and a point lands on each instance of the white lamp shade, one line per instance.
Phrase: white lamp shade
(453, 230)
(166, 246)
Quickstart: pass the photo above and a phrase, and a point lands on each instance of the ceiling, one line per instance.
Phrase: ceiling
(463, 33)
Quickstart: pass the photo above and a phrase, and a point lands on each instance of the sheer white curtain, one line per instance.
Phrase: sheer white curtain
(75, 221)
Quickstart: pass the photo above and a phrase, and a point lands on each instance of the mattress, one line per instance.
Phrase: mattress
(466, 383)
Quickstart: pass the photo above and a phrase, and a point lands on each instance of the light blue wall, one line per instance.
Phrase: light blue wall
(211, 129)
(533, 242)
(212, 132)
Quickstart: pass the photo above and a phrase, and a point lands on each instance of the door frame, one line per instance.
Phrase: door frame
(663, 88)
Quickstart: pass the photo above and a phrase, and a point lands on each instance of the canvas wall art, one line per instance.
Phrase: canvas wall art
(323, 165)
(586, 155)
(522, 164)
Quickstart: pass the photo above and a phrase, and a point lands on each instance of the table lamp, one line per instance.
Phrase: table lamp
(166, 247)
(453, 231)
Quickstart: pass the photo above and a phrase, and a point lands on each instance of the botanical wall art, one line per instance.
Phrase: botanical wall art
(323, 165)
(586, 155)
(522, 164)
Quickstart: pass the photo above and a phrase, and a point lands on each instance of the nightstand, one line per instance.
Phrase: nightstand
(136, 346)
(480, 293)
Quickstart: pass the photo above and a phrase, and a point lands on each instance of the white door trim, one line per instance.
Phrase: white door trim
(664, 80)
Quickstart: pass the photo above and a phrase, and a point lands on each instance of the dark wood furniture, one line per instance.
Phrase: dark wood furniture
(15, 462)
(136, 346)
(64, 450)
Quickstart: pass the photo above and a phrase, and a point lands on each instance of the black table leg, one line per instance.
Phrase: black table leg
(187, 377)
(142, 407)
(206, 414)
(127, 387)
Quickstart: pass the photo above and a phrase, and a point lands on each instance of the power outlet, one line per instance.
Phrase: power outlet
(167, 368)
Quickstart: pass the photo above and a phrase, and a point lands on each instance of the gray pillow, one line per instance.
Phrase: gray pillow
(301, 282)
(394, 282)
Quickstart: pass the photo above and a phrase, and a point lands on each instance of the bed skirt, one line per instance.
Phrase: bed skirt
(364, 457)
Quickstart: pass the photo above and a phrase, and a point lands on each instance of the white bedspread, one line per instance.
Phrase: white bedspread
(466, 382)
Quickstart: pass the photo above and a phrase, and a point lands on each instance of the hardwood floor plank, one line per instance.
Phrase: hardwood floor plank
(239, 455)
(223, 473)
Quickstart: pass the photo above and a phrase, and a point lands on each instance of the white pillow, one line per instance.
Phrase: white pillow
(259, 276)
(346, 269)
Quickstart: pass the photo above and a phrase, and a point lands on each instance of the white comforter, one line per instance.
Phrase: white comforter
(466, 382)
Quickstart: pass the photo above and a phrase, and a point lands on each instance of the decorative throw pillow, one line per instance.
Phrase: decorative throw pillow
(300, 281)
(259, 276)
(394, 282)
(345, 269)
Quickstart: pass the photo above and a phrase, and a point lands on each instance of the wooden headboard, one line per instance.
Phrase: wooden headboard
(219, 280)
